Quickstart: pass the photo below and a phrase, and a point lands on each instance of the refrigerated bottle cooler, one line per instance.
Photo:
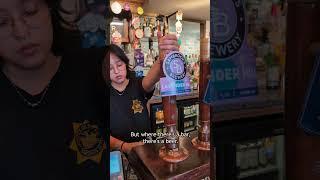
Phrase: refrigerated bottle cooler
(250, 149)
(188, 116)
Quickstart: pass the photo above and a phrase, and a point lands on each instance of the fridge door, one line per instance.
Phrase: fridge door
(188, 116)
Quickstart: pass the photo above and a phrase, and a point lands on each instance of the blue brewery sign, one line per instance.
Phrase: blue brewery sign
(233, 66)
(228, 38)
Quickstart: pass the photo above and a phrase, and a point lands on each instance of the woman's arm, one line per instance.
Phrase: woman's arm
(117, 144)
(166, 43)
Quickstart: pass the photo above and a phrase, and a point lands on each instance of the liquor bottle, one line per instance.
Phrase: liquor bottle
(244, 165)
(262, 154)
(147, 29)
(272, 71)
(149, 59)
(166, 27)
(155, 31)
(238, 157)
(252, 155)
(270, 150)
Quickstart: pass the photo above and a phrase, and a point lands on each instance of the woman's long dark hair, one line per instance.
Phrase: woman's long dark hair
(58, 21)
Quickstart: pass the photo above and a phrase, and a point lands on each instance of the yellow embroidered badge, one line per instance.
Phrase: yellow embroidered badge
(137, 106)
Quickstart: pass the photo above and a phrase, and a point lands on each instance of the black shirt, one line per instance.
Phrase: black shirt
(128, 111)
(62, 138)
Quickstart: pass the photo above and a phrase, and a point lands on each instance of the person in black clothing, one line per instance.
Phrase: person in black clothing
(129, 96)
(51, 118)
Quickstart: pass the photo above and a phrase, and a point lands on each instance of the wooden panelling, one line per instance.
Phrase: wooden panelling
(303, 28)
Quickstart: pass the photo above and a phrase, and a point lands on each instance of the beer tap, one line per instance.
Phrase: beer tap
(170, 152)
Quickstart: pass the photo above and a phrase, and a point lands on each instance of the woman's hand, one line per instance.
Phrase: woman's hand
(168, 43)
(127, 147)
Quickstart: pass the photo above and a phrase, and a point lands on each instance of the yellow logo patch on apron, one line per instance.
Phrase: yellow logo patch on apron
(87, 142)
(137, 106)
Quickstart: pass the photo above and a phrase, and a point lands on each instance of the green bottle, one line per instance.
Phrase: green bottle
(272, 71)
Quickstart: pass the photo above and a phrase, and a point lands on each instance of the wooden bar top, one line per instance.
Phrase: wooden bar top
(147, 164)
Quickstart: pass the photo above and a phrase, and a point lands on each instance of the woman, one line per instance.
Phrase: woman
(50, 115)
(129, 96)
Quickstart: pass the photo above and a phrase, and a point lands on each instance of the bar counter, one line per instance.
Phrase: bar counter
(147, 164)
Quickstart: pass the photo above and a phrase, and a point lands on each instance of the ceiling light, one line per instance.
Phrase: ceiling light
(116, 7)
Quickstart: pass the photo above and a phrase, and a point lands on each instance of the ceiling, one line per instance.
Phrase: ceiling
(192, 9)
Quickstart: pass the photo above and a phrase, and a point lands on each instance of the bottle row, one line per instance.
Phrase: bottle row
(256, 154)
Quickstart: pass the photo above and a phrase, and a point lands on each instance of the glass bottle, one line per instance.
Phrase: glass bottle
(239, 152)
(272, 71)
(262, 154)
(244, 157)
(252, 156)
(270, 150)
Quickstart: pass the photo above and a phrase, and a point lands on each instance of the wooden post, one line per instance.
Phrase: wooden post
(303, 29)
(202, 142)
